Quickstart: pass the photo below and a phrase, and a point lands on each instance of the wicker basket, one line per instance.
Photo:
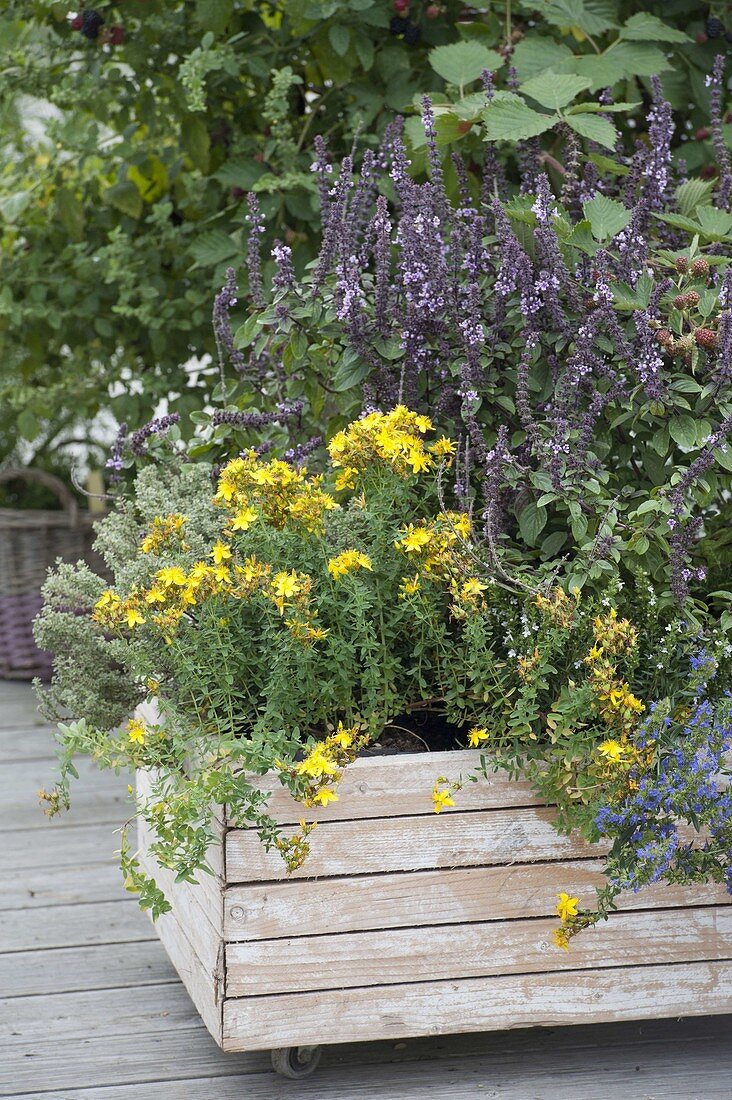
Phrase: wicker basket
(30, 542)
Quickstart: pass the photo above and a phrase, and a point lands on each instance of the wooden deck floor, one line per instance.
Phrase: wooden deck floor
(91, 1008)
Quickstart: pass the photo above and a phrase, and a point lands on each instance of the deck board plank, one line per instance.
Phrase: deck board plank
(86, 1017)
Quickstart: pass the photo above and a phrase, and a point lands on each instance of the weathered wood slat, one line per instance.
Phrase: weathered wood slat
(195, 910)
(309, 906)
(410, 843)
(28, 742)
(672, 1070)
(506, 1001)
(402, 785)
(73, 925)
(48, 886)
(97, 797)
(203, 981)
(57, 845)
(74, 969)
(405, 955)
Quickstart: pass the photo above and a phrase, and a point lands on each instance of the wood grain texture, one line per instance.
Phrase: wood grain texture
(97, 797)
(406, 955)
(397, 786)
(673, 1067)
(507, 1001)
(74, 969)
(57, 844)
(33, 887)
(308, 907)
(73, 925)
(410, 843)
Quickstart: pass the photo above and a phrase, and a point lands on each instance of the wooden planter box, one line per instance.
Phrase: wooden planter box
(405, 923)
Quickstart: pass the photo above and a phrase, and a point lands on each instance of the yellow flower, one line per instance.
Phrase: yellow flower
(472, 588)
(136, 731)
(611, 751)
(342, 737)
(409, 586)
(324, 796)
(415, 539)
(155, 595)
(220, 552)
(561, 938)
(443, 447)
(171, 575)
(316, 764)
(348, 562)
(566, 906)
(477, 736)
(346, 479)
(243, 519)
(441, 798)
(133, 617)
(419, 461)
(153, 686)
(108, 599)
(285, 585)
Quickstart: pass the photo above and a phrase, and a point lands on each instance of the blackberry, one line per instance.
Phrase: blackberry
(703, 133)
(397, 25)
(681, 263)
(714, 27)
(705, 338)
(433, 11)
(680, 301)
(401, 7)
(700, 266)
(116, 36)
(412, 34)
(664, 337)
(92, 24)
(77, 22)
(702, 38)
(692, 297)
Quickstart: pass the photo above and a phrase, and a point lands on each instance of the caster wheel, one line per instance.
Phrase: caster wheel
(296, 1062)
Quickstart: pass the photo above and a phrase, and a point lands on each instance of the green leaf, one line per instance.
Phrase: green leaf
(553, 543)
(591, 16)
(622, 62)
(601, 108)
(724, 458)
(339, 37)
(555, 90)
(124, 196)
(12, 206)
(583, 239)
(28, 425)
(644, 27)
(509, 119)
(607, 217)
(532, 521)
(365, 51)
(714, 223)
(683, 430)
(462, 62)
(693, 193)
(534, 55)
(240, 172)
(349, 374)
(196, 141)
(70, 212)
(596, 129)
(214, 15)
(212, 248)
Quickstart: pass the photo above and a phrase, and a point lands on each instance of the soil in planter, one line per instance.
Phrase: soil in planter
(423, 731)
